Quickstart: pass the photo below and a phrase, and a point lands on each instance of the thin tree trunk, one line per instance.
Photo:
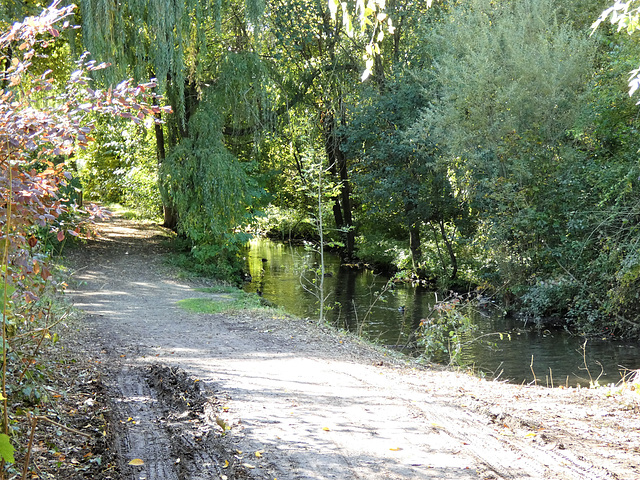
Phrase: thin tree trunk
(338, 167)
(452, 255)
(321, 234)
(169, 212)
(415, 246)
(435, 240)
(337, 208)
(347, 207)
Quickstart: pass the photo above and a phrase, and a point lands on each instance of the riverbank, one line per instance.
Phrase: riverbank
(392, 314)
(262, 395)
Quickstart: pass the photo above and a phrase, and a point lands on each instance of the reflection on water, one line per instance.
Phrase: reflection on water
(389, 314)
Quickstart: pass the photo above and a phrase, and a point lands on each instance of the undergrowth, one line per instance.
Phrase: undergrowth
(209, 261)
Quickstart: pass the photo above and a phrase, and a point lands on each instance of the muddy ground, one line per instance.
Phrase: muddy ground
(263, 396)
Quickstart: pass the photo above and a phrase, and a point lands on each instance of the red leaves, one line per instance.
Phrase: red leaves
(45, 273)
(29, 31)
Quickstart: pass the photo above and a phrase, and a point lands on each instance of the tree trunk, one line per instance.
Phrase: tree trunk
(350, 234)
(177, 129)
(337, 212)
(169, 212)
(337, 209)
(452, 255)
(415, 246)
(170, 215)
(338, 167)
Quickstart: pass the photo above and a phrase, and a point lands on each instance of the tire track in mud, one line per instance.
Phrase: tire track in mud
(162, 416)
(136, 430)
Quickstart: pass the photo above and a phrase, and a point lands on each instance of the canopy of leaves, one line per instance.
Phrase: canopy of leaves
(510, 91)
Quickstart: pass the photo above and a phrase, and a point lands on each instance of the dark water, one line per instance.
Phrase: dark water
(388, 314)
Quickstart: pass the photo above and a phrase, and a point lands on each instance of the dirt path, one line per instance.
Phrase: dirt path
(304, 402)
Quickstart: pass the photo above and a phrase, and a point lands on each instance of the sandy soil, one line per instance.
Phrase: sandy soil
(264, 396)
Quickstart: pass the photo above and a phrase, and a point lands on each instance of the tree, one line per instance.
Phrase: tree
(315, 71)
(193, 61)
(401, 178)
(196, 172)
(166, 40)
(511, 88)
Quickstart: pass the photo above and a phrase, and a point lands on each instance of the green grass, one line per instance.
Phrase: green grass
(223, 304)
(219, 289)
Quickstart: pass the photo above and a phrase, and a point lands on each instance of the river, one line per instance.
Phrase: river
(369, 305)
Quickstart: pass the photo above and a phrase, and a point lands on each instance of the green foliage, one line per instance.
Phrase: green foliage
(382, 250)
(143, 39)
(510, 87)
(218, 289)
(401, 175)
(221, 261)
(212, 79)
(6, 449)
(601, 240)
(208, 186)
(550, 298)
(447, 330)
(625, 300)
(513, 78)
(285, 224)
(493, 134)
(121, 167)
(626, 15)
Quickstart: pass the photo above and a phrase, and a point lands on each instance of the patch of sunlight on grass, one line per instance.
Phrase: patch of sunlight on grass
(131, 213)
(229, 303)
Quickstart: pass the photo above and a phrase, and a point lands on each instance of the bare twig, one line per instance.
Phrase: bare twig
(584, 361)
(535, 380)
(34, 422)
(64, 427)
(27, 458)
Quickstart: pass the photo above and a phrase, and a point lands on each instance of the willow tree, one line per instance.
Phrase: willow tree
(159, 38)
(183, 44)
